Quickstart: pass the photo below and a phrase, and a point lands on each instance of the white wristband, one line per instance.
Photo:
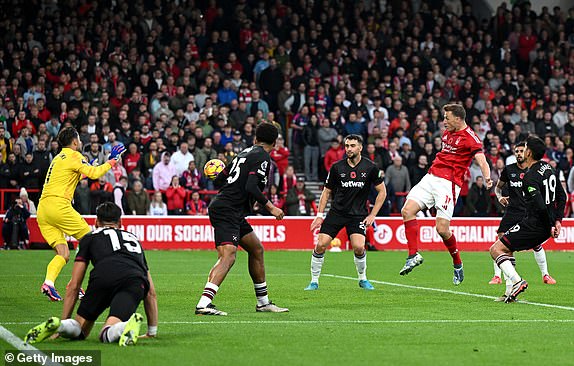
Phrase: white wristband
(152, 330)
(321, 215)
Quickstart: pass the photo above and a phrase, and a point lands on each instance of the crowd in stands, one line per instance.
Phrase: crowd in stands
(180, 83)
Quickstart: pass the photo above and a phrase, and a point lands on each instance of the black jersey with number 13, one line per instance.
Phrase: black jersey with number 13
(351, 186)
(115, 254)
(253, 160)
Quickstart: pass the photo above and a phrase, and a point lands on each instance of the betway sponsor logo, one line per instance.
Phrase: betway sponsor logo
(516, 184)
(352, 184)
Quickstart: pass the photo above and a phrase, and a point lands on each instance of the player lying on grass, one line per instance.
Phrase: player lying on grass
(56, 216)
(512, 175)
(349, 181)
(120, 280)
(545, 200)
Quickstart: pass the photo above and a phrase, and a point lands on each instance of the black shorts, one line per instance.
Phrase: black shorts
(525, 236)
(228, 227)
(122, 297)
(334, 222)
(510, 218)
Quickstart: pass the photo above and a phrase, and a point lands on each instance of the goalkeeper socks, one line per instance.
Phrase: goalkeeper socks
(412, 234)
(261, 293)
(70, 328)
(450, 244)
(54, 268)
(497, 271)
(361, 264)
(209, 293)
(112, 333)
(540, 256)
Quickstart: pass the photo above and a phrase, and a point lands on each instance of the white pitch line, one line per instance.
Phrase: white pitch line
(17, 343)
(453, 292)
(295, 322)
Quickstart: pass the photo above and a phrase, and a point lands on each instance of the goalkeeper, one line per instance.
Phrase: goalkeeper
(56, 217)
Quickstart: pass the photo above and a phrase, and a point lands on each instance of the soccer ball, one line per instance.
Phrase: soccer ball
(212, 168)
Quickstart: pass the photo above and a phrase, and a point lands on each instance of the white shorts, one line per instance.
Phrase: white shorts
(437, 192)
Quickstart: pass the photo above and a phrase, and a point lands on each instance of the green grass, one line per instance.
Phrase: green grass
(319, 329)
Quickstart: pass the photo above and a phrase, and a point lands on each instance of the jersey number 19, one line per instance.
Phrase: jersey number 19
(550, 186)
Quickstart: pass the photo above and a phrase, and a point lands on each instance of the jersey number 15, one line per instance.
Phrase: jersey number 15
(129, 240)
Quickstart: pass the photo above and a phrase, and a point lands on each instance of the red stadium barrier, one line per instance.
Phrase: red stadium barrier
(195, 232)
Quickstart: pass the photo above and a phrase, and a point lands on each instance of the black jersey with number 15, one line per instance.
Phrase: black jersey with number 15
(351, 186)
(232, 195)
(115, 254)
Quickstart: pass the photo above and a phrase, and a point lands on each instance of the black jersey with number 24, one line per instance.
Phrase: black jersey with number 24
(351, 186)
(232, 195)
(115, 254)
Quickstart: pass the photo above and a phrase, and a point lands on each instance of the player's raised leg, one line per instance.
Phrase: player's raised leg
(540, 257)
(449, 240)
(317, 259)
(225, 259)
(360, 259)
(409, 214)
(53, 271)
(252, 245)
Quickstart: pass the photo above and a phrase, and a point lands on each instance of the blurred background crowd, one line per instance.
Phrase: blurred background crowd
(180, 83)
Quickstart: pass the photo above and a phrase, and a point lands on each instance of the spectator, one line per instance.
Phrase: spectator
(311, 150)
(196, 206)
(175, 195)
(238, 145)
(162, 173)
(100, 192)
(181, 158)
(120, 196)
(191, 178)
(157, 207)
(300, 201)
(289, 179)
(15, 228)
(25, 141)
(397, 176)
(478, 200)
(82, 198)
(280, 154)
(132, 159)
(418, 171)
(26, 202)
(334, 154)
(29, 173)
(138, 199)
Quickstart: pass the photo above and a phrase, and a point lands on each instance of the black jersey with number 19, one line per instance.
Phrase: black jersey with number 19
(545, 199)
(351, 186)
(233, 195)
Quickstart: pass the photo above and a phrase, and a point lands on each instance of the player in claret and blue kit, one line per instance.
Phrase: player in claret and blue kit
(545, 200)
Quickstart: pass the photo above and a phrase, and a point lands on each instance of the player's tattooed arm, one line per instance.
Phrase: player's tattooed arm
(498, 191)
(78, 273)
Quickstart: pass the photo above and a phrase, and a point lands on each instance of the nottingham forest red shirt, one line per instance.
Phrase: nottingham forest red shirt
(458, 149)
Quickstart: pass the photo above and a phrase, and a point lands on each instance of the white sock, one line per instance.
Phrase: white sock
(508, 289)
(49, 283)
(70, 328)
(510, 271)
(209, 293)
(540, 257)
(497, 271)
(316, 265)
(113, 333)
(261, 293)
(361, 265)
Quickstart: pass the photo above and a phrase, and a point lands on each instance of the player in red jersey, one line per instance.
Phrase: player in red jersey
(441, 185)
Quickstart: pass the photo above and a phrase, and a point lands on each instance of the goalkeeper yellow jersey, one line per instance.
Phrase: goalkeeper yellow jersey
(65, 172)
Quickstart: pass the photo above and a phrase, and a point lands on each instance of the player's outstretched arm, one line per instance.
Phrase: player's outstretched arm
(379, 201)
(252, 188)
(325, 195)
(484, 168)
(151, 310)
(78, 273)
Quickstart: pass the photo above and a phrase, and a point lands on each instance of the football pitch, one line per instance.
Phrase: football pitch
(418, 319)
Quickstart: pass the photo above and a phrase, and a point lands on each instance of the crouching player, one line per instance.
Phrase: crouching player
(120, 280)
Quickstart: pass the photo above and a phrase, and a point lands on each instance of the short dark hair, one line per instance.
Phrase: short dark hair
(356, 137)
(457, 110)
(520, 144)
(67, 135)
(266, 133)
(108, 212)
(537, 146)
